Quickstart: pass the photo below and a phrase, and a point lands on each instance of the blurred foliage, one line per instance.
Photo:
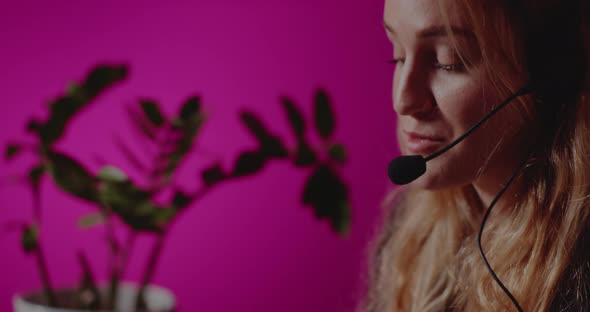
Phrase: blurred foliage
(325, 192)
(63, 109)
(169, 140)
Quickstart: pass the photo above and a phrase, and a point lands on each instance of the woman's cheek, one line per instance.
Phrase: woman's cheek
(461, 102)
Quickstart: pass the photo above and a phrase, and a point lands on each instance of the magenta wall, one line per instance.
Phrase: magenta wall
(250, 245)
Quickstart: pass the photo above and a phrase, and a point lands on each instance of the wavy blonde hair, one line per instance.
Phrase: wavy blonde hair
(426, 256)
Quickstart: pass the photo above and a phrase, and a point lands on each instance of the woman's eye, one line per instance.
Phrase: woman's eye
(449, 67)
(437, 65)
(397, 60)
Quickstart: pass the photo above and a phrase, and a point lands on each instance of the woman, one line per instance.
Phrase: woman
(454, 62)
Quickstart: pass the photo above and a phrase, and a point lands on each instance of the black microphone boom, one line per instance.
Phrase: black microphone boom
(405, 169)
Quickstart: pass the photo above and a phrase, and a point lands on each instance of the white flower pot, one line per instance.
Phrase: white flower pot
(157, 299)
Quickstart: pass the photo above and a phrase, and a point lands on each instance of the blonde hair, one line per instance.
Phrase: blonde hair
(426, 256)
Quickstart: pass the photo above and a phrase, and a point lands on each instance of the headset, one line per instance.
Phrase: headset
(557, 66)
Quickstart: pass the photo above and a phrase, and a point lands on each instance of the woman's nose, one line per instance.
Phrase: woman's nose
(412, 94)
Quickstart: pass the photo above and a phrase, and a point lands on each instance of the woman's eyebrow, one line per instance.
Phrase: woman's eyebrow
(435, 31)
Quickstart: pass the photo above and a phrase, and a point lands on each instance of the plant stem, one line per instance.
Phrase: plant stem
(155, 185)
(157, 251)
(51, 298)
(36, 203)
(88, 285)
(41, 263)
(158, 181)
(115, 277)
(114, 250)
(159, 176)
(150, 269)
(125, 254)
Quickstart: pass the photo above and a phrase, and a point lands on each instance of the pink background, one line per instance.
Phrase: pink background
(249, 245)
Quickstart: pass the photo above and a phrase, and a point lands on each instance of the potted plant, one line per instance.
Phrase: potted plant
(151, 206)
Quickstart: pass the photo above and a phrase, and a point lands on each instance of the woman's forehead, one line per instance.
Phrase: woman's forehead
(421, 17)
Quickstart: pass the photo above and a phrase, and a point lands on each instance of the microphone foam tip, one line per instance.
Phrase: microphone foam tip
(405, 169)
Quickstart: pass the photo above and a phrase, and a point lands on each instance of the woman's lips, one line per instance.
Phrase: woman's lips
(422, 143)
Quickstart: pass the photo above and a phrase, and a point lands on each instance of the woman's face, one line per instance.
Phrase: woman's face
(437, 99)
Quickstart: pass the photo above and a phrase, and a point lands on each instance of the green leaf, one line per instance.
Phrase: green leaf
(337, 152)
(91, 220)
(65, 107)
(328, 195)
(112, 174)
(174, 160)
(61, 112)
(294, 116)
(149, 217)
(181, 200)
(184, 132)
(304, 155)
(144, 209)
(163, 216)
(71, 176)
(142, 126)
(273, 147)
(34, 126)
(103, 76)
(190, 108)
(35, 174)
(12, 149)
(129, 155)
(255, 125)
(132, 205)
(213, 175)
(324, 117)
(248, 163)
(341, 224)
(152, 112)
(29, 238)
(124, 194)
(270, 145)
(72, 88)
